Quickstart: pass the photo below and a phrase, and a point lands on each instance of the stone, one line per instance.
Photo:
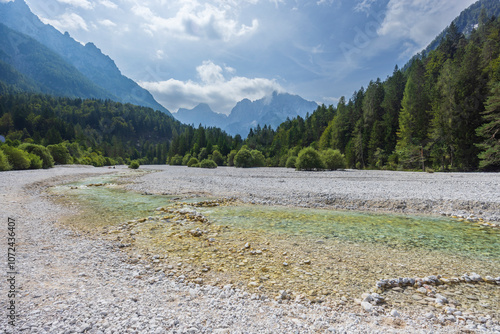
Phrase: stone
(367, 306)
(395, 313)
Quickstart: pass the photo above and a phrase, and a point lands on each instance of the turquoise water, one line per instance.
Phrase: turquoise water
(391, 230)
(111, 204)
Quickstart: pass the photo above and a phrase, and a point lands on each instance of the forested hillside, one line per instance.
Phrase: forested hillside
(442, 113)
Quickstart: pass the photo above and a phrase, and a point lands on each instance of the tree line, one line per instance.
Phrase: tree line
(441, 112)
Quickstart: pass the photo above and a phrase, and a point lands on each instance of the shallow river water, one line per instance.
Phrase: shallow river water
(316, 254)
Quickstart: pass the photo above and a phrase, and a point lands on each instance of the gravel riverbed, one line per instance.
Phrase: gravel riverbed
(69, 281)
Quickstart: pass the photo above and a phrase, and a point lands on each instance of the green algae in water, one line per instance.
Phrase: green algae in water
(109, 203)
(421, 232)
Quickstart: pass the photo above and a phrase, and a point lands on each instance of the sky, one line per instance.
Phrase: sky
(187, 52)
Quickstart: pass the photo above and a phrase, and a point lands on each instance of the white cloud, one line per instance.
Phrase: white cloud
(196, 21)
(214, 89)
(85, 4)
(109, 4)
(66, 22)
(363, 6)
(419, 20)
(5, 1)
(107, 23)
(160, 54)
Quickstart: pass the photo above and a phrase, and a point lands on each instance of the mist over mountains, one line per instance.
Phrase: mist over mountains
(270, 110)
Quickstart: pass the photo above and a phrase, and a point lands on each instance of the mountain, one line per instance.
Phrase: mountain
(203, 114)
(270, 110)
(31, 66)
(468, 19)
(88, 59)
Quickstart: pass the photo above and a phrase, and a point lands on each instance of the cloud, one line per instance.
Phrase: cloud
(85, 4)
(107, 23)
(364, 6)
(196, 21)
(67, 21)
(419, 20)
(109, 4)
(214, 89)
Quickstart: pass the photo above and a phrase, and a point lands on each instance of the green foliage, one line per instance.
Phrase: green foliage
(207, 163)
(490, 131)
(309, 159)
(230, 157)
(40, 151)
(35, 161)
(333, 159)
(258, 159)
(4, 162)
(186, 159)
(60, 153)
(18, 159)
(134, 164)
(244, 158)
(217, 158)
(176, 160)
(291, 161)
(193, 162)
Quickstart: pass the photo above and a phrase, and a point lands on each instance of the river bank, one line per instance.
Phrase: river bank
(72, 281)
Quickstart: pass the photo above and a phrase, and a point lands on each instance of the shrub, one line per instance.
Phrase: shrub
(230, 157)
(258, 158)
(134, 164)
(290, 162)
(35, 161)
(192, 162)
(176, 160)
(60, 153)
(217, 158)
(207, 163)
(203, 154)
(40, 151)
(333, 159)
(186, 159)
(4, 162)
(18, 159)
(244, 158)
(309, 159)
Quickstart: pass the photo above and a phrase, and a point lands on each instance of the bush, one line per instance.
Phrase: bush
(176, 160)
(290, 162)
(192, 162)
(244, 158)
(207, 163)
(60, 153)
(35, 161)
(230, 157)
(258, 158)
(4, 162)
(217, 158)
(203, 154)
(18, 159)
(134, 164)
(40, 151)
(333, 159)
(186, 159)
(309, 159)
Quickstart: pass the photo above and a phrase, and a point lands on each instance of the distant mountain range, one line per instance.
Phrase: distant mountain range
(271, 110)
(63, 61)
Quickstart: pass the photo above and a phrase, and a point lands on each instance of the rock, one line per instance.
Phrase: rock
(395, 313)
(367, 306)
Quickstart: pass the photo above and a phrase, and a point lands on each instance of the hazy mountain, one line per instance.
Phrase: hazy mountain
(467, 20)
(88, 59)
(270, 110)
(31, 66)
(203, 114)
